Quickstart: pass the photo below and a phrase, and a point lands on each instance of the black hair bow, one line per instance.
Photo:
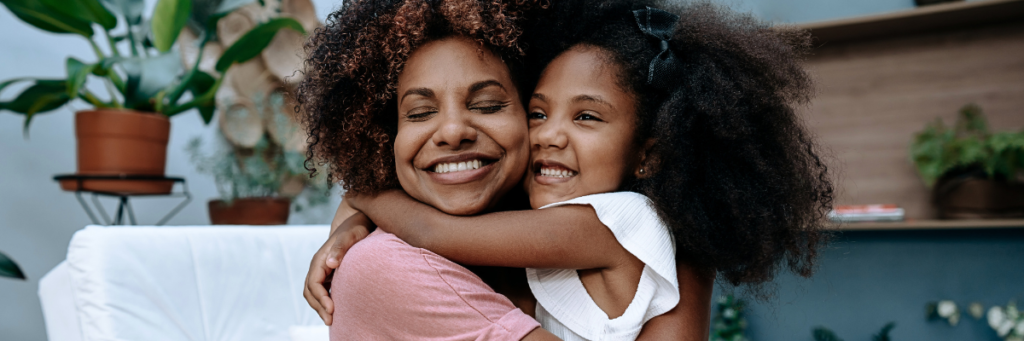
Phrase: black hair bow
(659, 25)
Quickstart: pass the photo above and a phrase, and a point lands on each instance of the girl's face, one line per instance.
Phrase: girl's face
(462, 138)
(581, 129)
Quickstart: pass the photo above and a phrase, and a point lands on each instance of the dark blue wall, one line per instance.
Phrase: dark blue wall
(867, 279)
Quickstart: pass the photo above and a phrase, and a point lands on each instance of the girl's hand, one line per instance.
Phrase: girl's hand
(328, 258)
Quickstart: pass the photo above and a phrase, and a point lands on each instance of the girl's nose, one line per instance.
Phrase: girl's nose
(550, 134)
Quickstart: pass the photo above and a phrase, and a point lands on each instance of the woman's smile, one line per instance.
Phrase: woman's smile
(460, 168)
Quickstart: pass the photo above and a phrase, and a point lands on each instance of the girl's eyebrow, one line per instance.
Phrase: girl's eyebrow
(591, 98)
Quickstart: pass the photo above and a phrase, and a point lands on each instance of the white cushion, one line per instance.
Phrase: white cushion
(192, 283)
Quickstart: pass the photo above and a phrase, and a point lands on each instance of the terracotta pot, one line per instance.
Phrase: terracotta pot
(250, 211)
(979, 198)
(121, 142)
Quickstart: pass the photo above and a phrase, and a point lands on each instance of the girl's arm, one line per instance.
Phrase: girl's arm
(690, 319)
(346, 229)
(568, 237)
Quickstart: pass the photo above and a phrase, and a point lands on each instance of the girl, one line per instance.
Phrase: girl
(691, 115)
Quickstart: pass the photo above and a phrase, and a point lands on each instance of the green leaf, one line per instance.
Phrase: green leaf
(35, 13)
(43, 96)
(824, 334)
(147, 77)
(200, 84)
(253, 42)
(169, 17)
(130, 9)
(78, 72)
(9, 269)
(86, 10)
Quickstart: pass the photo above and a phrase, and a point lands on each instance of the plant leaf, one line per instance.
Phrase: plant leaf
(53, 94)
(147, 77)
(35, 13)
(169, 17)
(253, 42)
(86, 10)
(130, 9)
(43, 96)
(200, 84)
(9, 269)
(78, 72)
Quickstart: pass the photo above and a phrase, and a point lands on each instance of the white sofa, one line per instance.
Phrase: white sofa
(183, 283)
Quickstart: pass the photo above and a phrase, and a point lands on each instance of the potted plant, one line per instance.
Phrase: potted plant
(126, 131)
(258, 185)
(974, 173)
(9, 269)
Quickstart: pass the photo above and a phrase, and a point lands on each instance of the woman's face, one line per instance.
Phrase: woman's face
(462, 138)
(582, 127)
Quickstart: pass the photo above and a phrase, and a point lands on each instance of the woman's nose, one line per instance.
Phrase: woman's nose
(456, 128)
(550, 134)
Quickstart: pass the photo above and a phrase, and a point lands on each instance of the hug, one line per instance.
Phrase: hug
(624, 153)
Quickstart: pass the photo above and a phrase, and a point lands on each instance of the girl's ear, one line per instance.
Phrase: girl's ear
(649, 162)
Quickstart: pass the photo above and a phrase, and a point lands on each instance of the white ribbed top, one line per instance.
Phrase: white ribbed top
(563, 306)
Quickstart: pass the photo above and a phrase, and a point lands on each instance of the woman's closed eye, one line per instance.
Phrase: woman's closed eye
(489, 107)
(420, 114)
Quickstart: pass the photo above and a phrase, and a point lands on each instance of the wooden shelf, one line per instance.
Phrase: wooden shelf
(933, 225)
(921, 19)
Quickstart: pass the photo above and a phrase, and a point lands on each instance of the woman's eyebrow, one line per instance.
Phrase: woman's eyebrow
(483, 84)
(417, 91)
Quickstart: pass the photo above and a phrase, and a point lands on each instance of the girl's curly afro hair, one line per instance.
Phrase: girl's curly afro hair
(347, 93)
(737, 177)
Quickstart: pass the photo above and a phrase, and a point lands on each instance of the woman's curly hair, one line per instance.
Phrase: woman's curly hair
(737, 177)
(347, 95)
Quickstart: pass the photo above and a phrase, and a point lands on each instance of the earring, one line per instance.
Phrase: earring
(642, 171)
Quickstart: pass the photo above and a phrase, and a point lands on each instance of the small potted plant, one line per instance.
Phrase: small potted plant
(974, 173)
(126, 131)
(258, 185)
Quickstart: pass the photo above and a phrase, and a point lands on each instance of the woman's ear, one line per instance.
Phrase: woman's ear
(648, 164)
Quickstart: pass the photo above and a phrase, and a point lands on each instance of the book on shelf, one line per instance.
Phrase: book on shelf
(866, 213)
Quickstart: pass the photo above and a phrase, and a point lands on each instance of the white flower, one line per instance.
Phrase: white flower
(729, 313)
(1019, 329)
(996, 316)
(976, 310)
(1005, 328)
(947, 309)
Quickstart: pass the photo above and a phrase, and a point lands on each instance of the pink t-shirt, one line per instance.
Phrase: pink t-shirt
(386, 289)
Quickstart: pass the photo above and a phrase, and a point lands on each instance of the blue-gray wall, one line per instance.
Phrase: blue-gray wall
(867, 279)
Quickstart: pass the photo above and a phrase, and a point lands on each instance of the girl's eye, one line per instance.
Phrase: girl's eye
(536, 116)
(588, 117)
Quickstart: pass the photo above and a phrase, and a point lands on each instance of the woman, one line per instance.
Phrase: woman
(372, 58)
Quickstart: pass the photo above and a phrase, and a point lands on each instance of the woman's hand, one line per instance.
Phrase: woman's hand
(347, 229)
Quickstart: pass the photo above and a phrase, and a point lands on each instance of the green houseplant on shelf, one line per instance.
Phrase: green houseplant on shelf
(974, 173)
(126, 130)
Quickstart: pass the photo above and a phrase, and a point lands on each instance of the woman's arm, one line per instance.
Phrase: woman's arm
(569, 237)
(690, 320)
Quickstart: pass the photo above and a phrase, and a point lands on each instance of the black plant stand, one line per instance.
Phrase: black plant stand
(124, 207)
